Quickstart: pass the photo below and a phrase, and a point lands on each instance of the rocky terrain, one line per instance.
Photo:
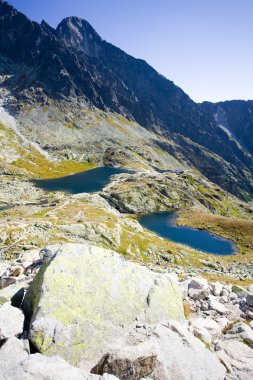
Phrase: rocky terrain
(85, 291)
(101, 314)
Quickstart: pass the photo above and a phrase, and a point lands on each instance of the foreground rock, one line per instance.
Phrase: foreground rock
(238, 359)
(86, 298)
(16, 364)
(168, 351)
(11, 321)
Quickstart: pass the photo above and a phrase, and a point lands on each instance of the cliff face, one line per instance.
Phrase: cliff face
(73, 63)
(237, 117)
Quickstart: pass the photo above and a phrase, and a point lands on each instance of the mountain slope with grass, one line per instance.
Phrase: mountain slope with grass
(72, 67)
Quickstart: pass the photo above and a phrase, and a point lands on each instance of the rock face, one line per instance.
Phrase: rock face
(168, 351)
(86, 298)
(236, 117)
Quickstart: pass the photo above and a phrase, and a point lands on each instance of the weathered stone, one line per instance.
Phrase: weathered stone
(249, 314)
(12, 352)
(95, 232)
(204, 306)
(15, 293)
(17, 271)
(240, 291)
(198, 294)
(216, 305)
(46, 254)
(198, 283)
(3, 300)
(11, 321)
(223, 322)
(170, 349)
(250, 288)
(237, 357)
(7, 281)
(209, 324)
(202, 333)
(128, 364)
(249, 300)
(216, 288)
(241, 331)
(87, 297)
(40, 367)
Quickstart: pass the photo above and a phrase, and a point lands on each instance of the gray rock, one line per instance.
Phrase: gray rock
(7, 281)
(216, 288)
(11, 321)
(12, 352)
(128, 364)
(240, 291)
(237, 357)
(39, 367)
(249, 300)
(46, 254)
(204, 306)
(198, 294)
(169, 349)
(209, 324)
(249, 314)
(250, 288)
(216, 305)
(198, 283)
(87, 297)
(241, 331)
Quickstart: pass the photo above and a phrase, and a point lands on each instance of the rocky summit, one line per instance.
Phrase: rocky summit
(87, 291)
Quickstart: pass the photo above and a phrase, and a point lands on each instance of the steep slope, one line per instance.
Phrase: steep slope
(237, 117)
(73, 63)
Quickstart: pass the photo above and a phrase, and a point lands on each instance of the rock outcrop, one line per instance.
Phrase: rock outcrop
(86, 298)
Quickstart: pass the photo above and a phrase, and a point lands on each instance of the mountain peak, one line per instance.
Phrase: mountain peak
(6, 8)
(79, 34)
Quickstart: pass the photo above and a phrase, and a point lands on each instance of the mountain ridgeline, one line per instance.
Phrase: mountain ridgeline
(73, 63)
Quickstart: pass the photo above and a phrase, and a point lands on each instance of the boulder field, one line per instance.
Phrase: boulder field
(87, 313)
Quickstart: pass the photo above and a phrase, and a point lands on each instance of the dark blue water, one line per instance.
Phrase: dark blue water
(85, 182)
(4, 208)
(163, 223)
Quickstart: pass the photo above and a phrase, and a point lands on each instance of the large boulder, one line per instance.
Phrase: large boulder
(87, 297)
(167, 352)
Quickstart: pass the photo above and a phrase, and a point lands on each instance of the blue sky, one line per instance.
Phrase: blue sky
(204, 46)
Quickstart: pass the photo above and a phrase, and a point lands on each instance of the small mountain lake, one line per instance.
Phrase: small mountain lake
(5, 208)
(88, 181)
(164, 224)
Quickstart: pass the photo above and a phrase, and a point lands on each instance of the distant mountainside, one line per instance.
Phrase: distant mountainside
(73, 64)
(237, 117)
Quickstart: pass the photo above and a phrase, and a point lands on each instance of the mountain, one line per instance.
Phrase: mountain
(236, 116)
(73, 65)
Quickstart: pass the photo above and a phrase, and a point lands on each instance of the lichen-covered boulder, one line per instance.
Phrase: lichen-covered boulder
(86, 297)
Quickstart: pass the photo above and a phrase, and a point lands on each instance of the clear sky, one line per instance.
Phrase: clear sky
(204, 46)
